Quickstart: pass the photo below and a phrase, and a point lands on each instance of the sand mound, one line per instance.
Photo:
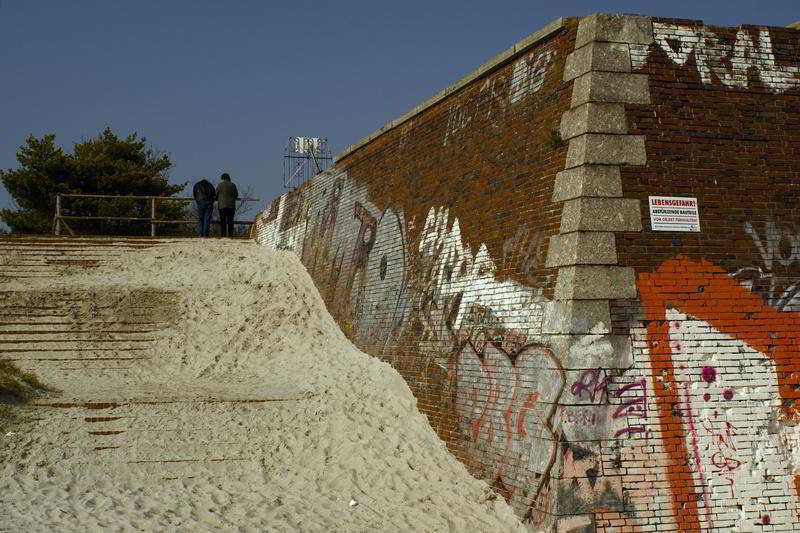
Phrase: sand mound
(248, 410)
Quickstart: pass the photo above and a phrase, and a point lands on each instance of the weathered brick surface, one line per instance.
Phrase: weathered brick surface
(428, 242)
(715, 324)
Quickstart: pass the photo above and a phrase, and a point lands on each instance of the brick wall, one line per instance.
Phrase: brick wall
(428, 243)
(716, 316)
(494, 245)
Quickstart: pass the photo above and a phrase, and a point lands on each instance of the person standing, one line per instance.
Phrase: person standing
(227, 194)
(204, 196)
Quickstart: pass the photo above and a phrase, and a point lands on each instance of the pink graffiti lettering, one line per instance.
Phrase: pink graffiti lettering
(635, 407)
(591, 383)
(629, 430)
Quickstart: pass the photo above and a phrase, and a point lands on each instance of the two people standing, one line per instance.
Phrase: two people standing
(225, 194)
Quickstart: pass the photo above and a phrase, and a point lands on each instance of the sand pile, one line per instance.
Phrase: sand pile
(250, 412)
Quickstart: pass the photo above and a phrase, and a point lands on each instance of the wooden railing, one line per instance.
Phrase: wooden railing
(60, 219)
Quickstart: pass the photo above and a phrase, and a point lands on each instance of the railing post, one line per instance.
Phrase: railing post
(152, 217)
(58, 214)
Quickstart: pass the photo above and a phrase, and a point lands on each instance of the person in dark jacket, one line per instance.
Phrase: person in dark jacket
(227, 194)
(204, 196)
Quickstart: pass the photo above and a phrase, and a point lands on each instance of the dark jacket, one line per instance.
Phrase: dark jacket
(226, 195)
(203, 191)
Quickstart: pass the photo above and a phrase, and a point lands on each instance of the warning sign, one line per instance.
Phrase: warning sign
(674, 213)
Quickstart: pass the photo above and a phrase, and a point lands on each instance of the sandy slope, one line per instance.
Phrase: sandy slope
(331, 425)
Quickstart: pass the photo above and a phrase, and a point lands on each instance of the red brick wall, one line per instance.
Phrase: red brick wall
(717, 317)
(428, 245)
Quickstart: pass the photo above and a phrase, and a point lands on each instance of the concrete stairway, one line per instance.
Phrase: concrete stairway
(60, 331)
(67, 335)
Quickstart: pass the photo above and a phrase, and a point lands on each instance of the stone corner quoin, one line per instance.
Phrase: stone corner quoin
(583, 258)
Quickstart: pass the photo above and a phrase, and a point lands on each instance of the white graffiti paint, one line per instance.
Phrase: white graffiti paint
(458, 118)
(527, 78)
(457, 271)
(778, 247)
(525, 247)
(270, 232)
(777, 244)
(405, 130)
(790, 439)
(380, 304)
(529, 74)
(727, 62)
(728, 395)
(492, 99)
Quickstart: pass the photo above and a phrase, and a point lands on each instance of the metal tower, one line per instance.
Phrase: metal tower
(304, 158)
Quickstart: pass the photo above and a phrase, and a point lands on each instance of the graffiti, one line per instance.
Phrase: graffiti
(321, 235)
(699, 467)
(524, 250)
(292, 211)
(457, 119)
(512, 341)
(292, 221)
(728, 63)
(492, 99)
(458, 282)
(778, 247)
(590, 382)
(527, 78)
(272, 212)
(381, 308)
(715, 450)
(477, 330)
(528, 75)
(405, 130)
(595, 384)
(506, 402)
(583, 416)
(365, 240)
(635, 407)
(714, 461)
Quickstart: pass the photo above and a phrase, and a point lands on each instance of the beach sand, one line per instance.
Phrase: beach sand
(245, 408)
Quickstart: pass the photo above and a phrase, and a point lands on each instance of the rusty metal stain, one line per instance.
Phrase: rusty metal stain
(75, 331)
(82, 405)
(58, 341)
(78, 358)
(18, 350)
(188, 460)
(112, 405)
(103, 418)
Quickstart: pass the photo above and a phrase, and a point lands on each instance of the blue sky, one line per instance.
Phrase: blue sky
(220, 86)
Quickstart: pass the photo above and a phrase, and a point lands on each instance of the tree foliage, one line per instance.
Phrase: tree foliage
(107, 165)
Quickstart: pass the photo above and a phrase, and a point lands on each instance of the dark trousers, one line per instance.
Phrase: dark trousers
(226, 221)
(204, 211)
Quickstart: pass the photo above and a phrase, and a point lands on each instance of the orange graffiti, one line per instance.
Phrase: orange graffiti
(708, 293)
